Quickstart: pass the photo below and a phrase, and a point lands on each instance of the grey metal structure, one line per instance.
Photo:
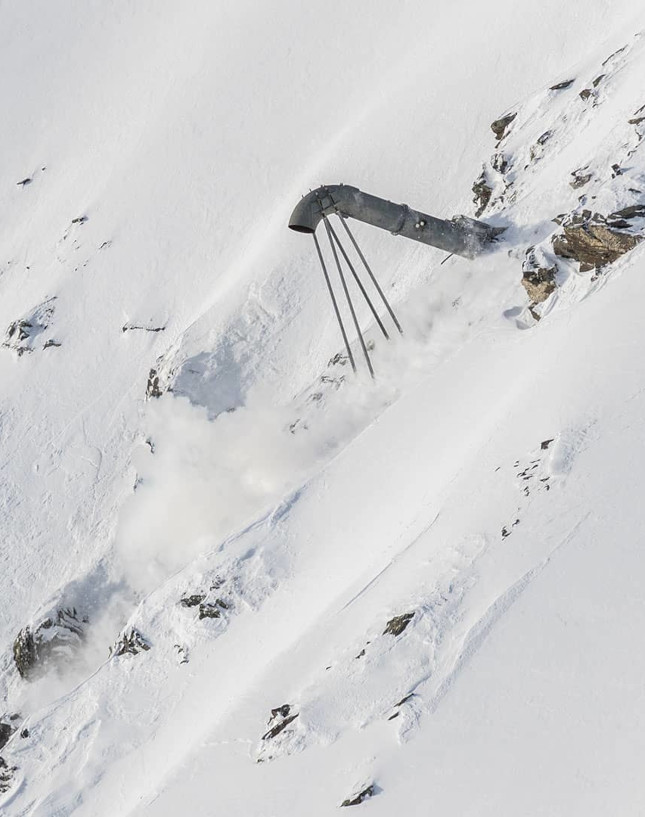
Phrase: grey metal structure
(460, 236)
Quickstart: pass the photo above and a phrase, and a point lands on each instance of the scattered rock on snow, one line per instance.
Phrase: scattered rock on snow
(482, 193)
(129, 327)
(506, 531)
(399, 704)
(153, 388)
(357, 799)
(500, 126)
(50, 644)
(560, 86)
(537, 149)
(623, 218)
(594, 240)
(280, 712)
(22, 334)
(6, 775)
(397, 625)
(339, 359)
(636, 119)
(182, 654)
(538, 279)
(614, 54)
(212, 610)
(6, 731)
(499, 162)
(281, 717)
(193, 600)
(581, 177)
(131, 643)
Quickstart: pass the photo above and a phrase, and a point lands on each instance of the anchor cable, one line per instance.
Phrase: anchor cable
(359, 282)
(335, 304)
(369, 271)
(347, 295)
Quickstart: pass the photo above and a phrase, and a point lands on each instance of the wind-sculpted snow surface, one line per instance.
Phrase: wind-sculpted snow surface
(236, 578)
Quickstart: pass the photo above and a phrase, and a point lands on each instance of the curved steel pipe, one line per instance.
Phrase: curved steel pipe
(461, 235)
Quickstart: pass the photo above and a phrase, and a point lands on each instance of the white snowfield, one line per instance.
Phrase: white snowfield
(425, 592)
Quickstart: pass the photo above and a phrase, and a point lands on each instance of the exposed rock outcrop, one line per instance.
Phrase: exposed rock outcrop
(194, 600)
(24, 334)
(153, 388)
(483, 191)
(280, 718)
(500, 126)
(357, 799)
(580, 177)
(50, 644)
(538, 278)
(207, 608)
(131, 642)
(561, 86)
(6, 731)
(6, 775)
(595, 240)
(212, 609)
(397, 625)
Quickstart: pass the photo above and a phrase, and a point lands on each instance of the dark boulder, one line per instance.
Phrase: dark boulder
(397, 625)
(561, 86)
(500, 126)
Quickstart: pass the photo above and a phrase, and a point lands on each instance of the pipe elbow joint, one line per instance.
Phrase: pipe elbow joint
(309, 211)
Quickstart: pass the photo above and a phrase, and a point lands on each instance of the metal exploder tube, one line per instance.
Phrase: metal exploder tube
(460, 235)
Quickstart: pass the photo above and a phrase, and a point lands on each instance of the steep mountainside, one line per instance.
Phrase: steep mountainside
(236, 578)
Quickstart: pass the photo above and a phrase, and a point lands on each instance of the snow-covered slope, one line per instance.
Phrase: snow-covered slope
(276, 587)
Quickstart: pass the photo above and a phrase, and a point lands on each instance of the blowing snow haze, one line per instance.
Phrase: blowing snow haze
(238, 578)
